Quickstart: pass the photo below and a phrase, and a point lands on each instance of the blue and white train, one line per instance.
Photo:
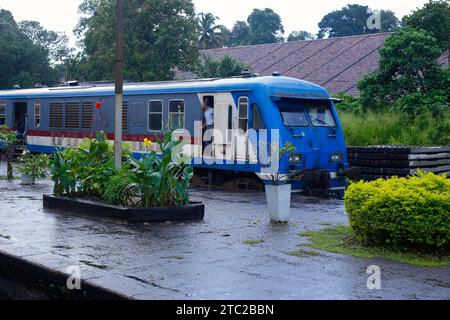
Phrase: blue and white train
(303, 113)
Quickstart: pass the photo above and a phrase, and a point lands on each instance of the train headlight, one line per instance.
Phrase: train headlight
(296, 158)
(337, 157)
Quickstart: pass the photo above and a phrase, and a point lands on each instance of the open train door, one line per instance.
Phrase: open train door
(225, 114)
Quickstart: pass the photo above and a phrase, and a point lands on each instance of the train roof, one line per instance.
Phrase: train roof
(273, 85)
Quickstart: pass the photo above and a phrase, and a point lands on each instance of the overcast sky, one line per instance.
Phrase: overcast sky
(62, 15)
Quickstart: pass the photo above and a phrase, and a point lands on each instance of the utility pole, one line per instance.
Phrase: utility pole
(119, 83)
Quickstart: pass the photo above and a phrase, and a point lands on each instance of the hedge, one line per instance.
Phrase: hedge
(402, 212)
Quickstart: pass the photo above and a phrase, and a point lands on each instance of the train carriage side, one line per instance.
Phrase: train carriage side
(302, 112)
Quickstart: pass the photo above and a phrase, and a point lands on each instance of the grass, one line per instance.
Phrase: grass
(253, 242)
(393, 128)
(303, 253)
(341, 240)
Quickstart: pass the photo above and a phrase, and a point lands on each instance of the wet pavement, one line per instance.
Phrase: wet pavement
(207, 260)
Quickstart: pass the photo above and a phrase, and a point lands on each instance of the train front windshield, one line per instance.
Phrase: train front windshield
(295, 113)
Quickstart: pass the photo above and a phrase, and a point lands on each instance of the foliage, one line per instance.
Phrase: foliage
(392, 127)
(7, 136)
(402, 212)
(158, 180)
(56, 43)
(408, 71)
(154, 180)
(160, 35)
(223, 68)
(35, 166)
(63, 169)
(348, 103)
(265, 27)
(300, 35)
(23, 63)
(262, 26)
(281, 153)
(352, 20)
(116, 191)
(435, 18)
(239, 34)
(342, 239)
(210, 34)
(86, 172)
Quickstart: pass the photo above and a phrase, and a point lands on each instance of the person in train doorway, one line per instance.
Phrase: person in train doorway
(208, 123)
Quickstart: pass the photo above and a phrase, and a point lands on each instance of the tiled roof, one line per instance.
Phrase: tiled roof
(336, 63)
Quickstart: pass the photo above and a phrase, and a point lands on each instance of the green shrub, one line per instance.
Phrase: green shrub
(117, 189)
(35, 166)
(7, 136)
(402, 212)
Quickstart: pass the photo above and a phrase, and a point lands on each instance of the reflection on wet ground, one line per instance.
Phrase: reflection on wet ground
(210, 260)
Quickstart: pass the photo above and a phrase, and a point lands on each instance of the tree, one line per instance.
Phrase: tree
(409, 76)
(221, 68)
(435, 18)
(210, 34)
(354, 20)
(265, 27)
(56, 43)
(239, 34)
(300, 35)
(22, 62)
(160, 35)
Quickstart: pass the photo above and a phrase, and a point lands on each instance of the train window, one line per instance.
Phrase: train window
(72, 115)
(176, 114)
(155, 115)
(321, 116)
(86, 115)
(293, 118)
(2, 112)
(37, 113)
(243, 113)
(125, 116)
(56, 115)
(257, 120)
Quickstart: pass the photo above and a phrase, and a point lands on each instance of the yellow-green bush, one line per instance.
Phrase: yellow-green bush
(402, 212)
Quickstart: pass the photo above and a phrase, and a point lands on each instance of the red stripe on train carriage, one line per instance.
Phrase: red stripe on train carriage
(81, 135)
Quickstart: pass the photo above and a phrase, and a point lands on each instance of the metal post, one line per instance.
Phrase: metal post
(119, 83)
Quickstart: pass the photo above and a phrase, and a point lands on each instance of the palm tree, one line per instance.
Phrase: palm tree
(210, 35)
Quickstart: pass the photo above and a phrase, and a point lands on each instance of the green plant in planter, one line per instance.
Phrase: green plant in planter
(62, 173)
(84, 172)
(287, 150)
(34, 166)
(7, 136)
(158, 180)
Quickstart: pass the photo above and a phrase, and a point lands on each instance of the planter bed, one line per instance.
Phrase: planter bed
(195, 211)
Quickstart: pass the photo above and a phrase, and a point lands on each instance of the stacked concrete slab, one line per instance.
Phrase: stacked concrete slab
(387, 161)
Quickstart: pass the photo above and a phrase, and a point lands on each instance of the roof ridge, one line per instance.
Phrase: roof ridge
(297, 41)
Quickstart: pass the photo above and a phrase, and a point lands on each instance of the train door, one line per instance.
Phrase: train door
(224, 116)
(20, 116)
(256, 123)
(241, 137)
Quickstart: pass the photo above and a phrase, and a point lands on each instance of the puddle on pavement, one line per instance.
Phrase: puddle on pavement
(94, 265)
